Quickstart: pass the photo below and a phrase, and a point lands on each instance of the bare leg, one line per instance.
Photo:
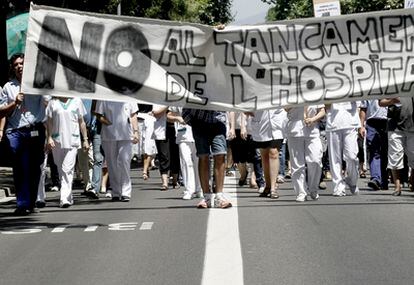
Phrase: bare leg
(204, 173)
(273, 169)
(243, 173)
(147, 163)
(219, 170)
(105, 177)
(164, 181)
(397, 181)
(264, 153)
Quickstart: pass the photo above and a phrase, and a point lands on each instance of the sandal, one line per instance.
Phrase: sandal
(274, 194)
(164, 187)
(145, 175)
(396, 193)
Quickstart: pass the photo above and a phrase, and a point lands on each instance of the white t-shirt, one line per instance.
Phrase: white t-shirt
(65, 121)
(160, 125)
(183, 133)
(296, 127)
(268, 125)
(344, 115)
(119, 114)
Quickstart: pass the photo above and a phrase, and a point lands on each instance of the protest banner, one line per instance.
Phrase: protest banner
(307, 61)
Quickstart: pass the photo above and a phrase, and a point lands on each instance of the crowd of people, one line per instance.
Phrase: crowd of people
(194, 147)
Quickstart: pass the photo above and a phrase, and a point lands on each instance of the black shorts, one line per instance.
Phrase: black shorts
(270, 144)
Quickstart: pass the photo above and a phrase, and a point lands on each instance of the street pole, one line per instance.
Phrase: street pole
(118, 10)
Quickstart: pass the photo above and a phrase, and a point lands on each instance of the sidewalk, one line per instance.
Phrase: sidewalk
(6, 182)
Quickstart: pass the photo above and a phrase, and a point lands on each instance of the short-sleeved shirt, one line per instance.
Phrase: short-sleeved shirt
(160, 125)
(65, 121)
(343, 115)
(30, 112)
(119, 114)
(183, 133)
(296, 127)
(374, 110)
(268, 125)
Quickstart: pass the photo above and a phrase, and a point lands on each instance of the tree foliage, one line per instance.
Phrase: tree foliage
(200, 11)
(293, 9)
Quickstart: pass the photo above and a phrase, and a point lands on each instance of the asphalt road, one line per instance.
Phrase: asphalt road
(158, 238)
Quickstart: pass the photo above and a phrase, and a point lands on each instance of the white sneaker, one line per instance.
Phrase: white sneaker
(339, 194)
(108, 194)
(206, 202)
(54, 189)
(187, 196)
(314, 195)
(221, 202)
(261, 189)
(301, 197)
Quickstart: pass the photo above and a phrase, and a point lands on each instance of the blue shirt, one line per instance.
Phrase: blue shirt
(30, 112)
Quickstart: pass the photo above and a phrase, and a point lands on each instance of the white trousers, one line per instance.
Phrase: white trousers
(343, 146)
(306, 163)
(147, 144)
(65, 159)
(41, 193)
(118, 155)
(189, 167)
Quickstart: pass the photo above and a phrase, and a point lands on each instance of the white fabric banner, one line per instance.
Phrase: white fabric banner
(308, 61)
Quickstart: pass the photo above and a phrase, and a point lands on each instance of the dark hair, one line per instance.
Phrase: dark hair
(11, 61)
(15, 56)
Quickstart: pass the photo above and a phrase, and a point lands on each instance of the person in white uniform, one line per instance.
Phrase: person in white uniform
(64, 125)
(188, 154)
(305, 148)
(268, 131)
(342, 124)
(119, 132)
(147, 146)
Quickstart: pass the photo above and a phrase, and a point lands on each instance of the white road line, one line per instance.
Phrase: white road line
(146, 226)
(59, 229)
(223, 262)
(91, 228)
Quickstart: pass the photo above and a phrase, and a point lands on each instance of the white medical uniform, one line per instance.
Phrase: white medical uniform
(342, 123)
(305, 148)
(117, 144)
(66, 135)
(268, 125)
(188, 156)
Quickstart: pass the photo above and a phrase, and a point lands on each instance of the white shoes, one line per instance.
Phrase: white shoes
(54, 189)
(187, 196)
(301, 197)
(340, 193)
